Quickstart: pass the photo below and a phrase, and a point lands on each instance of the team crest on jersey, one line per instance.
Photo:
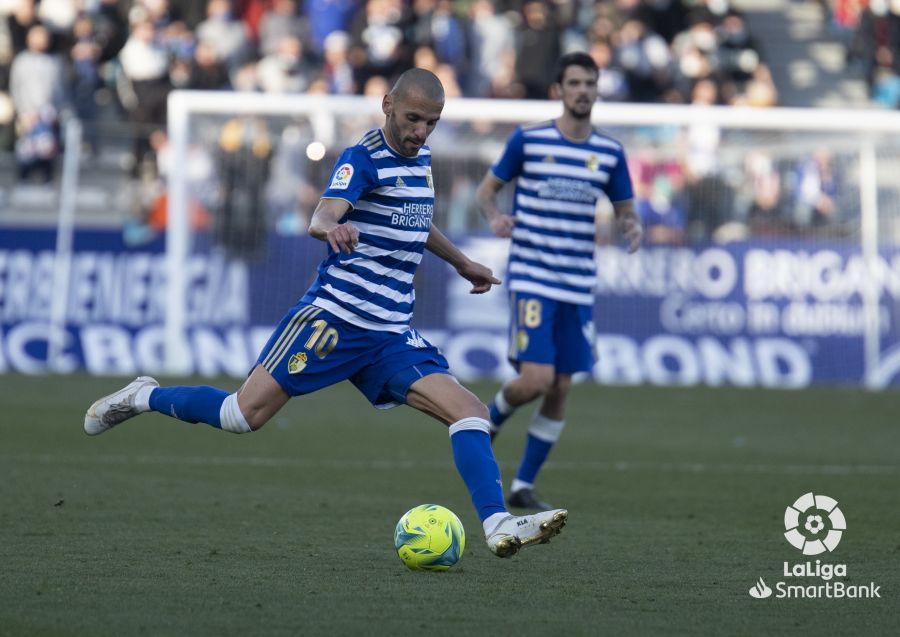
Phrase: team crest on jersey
(593, 163)
(297, 363)
(522, 340)
(428, 178)
(342, 177)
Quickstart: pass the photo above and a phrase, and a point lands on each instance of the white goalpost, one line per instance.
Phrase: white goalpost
(863, 147)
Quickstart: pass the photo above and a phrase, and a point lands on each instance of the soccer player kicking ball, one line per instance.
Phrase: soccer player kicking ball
(561, 167)
(353, 323)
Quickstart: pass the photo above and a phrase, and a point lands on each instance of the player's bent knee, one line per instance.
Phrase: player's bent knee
(561, 384)
(538, 384)
(479, 410)
(471, 406)
(233, 420)
(463, 406)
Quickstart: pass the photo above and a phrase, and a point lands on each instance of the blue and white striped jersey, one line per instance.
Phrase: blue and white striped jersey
(392, 199)
(557, 187)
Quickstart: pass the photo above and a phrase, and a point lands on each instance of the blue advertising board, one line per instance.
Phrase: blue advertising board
(788, 314)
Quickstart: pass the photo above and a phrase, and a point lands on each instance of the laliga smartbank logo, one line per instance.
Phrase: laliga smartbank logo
(814, 524)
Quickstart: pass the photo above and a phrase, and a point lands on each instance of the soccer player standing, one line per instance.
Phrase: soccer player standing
(561, 168)
(353, 323)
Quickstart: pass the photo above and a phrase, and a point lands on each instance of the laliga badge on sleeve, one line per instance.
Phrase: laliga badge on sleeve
(342, 177)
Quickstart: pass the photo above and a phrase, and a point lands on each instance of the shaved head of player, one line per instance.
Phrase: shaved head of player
(412, 110)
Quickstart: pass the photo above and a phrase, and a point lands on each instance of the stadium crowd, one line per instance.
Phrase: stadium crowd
(870, 31)
(109, 61)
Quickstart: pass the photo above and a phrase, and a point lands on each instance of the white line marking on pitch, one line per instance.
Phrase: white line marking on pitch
(391, 465)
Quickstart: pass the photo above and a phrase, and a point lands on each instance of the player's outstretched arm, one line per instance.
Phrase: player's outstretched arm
(486, 196)
(325, 225)
(629, 224)
(479, 275)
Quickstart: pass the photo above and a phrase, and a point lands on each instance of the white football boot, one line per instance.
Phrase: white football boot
(515, 532)
(116, 408)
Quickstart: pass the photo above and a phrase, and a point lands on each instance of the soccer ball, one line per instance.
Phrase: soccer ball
(429, 537)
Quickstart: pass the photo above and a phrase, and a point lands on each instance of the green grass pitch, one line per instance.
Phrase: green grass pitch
(676, 501)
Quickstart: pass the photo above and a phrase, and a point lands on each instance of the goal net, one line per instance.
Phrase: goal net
(770, 255)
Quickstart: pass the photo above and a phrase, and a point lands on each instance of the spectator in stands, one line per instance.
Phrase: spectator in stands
(86, 79)
(378, 44)
(337, 70)
(659, 198)
(667, 18)
(230, 37)
(327, 16)
(504, 84)
(744, 78)
(290, 197)
(19, 22)
(145, 65)
(279, 22)
(760, 91)
(491, 38)
(251, 13)
(244, 160)
(58, 16)
(7, 121)
(178, 42)
(6, 55)
(537, 49)
(817, 185)
(765, 215)
(739, 52)
(190, 12)
(709, 198)
(157, 12)
(876, 44)
(612, 85)
(38, 92)
(110, 30)
(207, 72)
(285, 71)
(695, 53)
(438, 27)
(843, 16)
(645, 57)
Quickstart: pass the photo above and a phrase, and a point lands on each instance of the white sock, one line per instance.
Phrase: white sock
(491, 522)
(500, 402)
(518, 485)
(545, 429)
(231, 417)
(142, 398)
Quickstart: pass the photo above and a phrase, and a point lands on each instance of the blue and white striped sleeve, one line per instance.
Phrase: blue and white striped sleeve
(353, 175)
(509, 165)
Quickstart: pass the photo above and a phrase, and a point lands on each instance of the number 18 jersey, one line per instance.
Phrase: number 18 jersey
(558, 182)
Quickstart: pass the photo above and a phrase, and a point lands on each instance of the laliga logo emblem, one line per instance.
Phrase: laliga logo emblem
(814, 524)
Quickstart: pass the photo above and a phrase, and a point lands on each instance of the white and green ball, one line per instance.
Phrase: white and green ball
(429, 537)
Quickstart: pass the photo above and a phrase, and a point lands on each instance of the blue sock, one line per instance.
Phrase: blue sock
(476, 464)
(499, 410)
(497, 418)
(190, 404)
(536, 451)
